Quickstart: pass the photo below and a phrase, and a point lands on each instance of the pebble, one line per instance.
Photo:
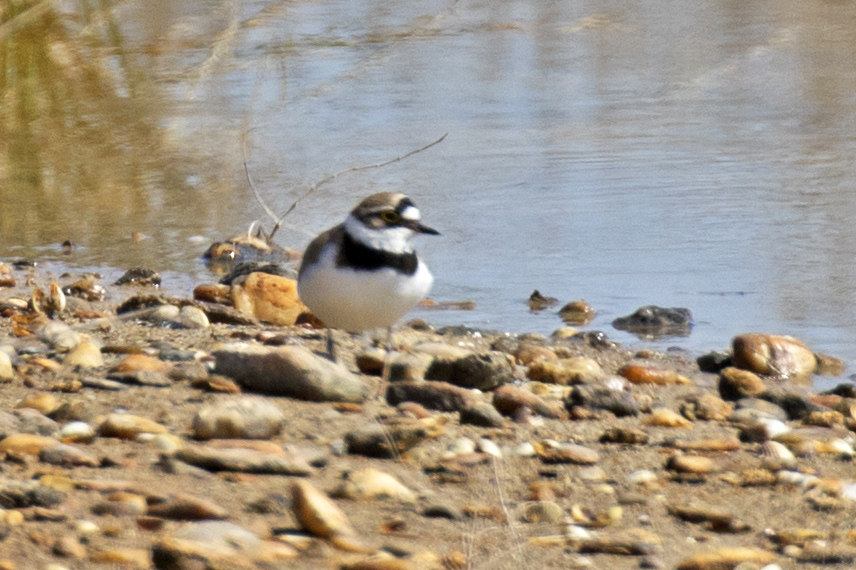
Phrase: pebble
(488, 446)
(771, 355)
(160, 315)
(461, 446)
(33, 421)
(726, 558)
(186, 507)
(629, 436)
(511, 401)
(566, 372)
(645, 374)
(543, 512)
(238, 418)
(320, 516)
(484, 371)
(191, 317)
(289, 371)
(85, 355)
(619, 402)
(76, 432)
(7, 373)
(216, 544)
(578, 313)
(735, 383)
(371, 484)
(23, 494)
(706, 406)
(121, 504)
(695, 464)
(384, 441)
(139, 363)
(43, 402)
(550, 452)
(525, 449)
(67, 456)
(664, 417)
(60, 336)
(243, 460)
(127, 426)
(69, 547)
(127, 557)
(269, 298)
(26, 444)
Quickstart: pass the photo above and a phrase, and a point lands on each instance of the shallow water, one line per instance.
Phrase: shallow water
(639, 153)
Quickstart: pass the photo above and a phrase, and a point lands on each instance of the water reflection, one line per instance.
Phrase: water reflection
(697, 155)
(84, 154)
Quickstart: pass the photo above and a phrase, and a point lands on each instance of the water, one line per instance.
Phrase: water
(653, 152)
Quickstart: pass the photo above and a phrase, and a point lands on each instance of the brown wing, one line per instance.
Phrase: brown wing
(313, 250)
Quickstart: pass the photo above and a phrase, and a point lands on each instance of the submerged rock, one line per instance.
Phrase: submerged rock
(651, 321)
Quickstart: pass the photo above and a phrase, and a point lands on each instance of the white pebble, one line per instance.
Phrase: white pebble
(77, 430)
(525, 449)
(642, 477)
(486, 445)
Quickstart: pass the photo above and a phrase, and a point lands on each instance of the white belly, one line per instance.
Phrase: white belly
(360, 300)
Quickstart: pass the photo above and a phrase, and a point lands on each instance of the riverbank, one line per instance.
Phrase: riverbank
(125, 436)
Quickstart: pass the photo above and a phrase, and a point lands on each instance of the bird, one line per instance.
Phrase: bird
(364, 274)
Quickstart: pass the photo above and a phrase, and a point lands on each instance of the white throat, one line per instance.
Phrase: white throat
(393, 240)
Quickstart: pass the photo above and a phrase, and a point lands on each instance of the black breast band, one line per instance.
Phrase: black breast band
(364, 258)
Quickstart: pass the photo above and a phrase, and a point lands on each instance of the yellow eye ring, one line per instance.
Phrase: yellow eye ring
(390, 217)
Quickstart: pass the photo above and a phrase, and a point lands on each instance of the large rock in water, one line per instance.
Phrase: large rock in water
(290, 371)
(653, 321)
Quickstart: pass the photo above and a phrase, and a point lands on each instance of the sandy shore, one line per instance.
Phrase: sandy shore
(583, 489)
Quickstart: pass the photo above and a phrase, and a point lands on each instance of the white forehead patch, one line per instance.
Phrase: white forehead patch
(411, 213)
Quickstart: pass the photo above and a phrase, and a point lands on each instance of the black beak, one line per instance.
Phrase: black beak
(421, 229)
(425, 229)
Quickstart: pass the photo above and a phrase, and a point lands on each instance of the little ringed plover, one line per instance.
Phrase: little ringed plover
(364, 273)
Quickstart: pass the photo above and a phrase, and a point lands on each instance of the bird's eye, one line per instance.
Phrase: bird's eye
(390, 217)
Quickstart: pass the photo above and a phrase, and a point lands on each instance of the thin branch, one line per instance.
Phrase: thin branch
(332, 177)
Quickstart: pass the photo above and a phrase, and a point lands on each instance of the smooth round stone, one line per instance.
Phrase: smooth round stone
(664, 417)
(86, 528)
(488, 446)
(85, 355)
(563, 333)
(543, 512)
(60, 336)
(191, 317)
(461, 446)
(127, 426)
(525, 449)
(6, 370)
(592, 474)
(26, 444)
(735, 383)
(239, 418)
(697, 464)
(77, 432)
(642, 477)
(67, 455)
(43, 402)
(370, 484)
(167, 442)
(163, 314)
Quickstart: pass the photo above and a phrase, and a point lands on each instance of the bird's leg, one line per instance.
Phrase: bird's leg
(331, 345)
(387, 363)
